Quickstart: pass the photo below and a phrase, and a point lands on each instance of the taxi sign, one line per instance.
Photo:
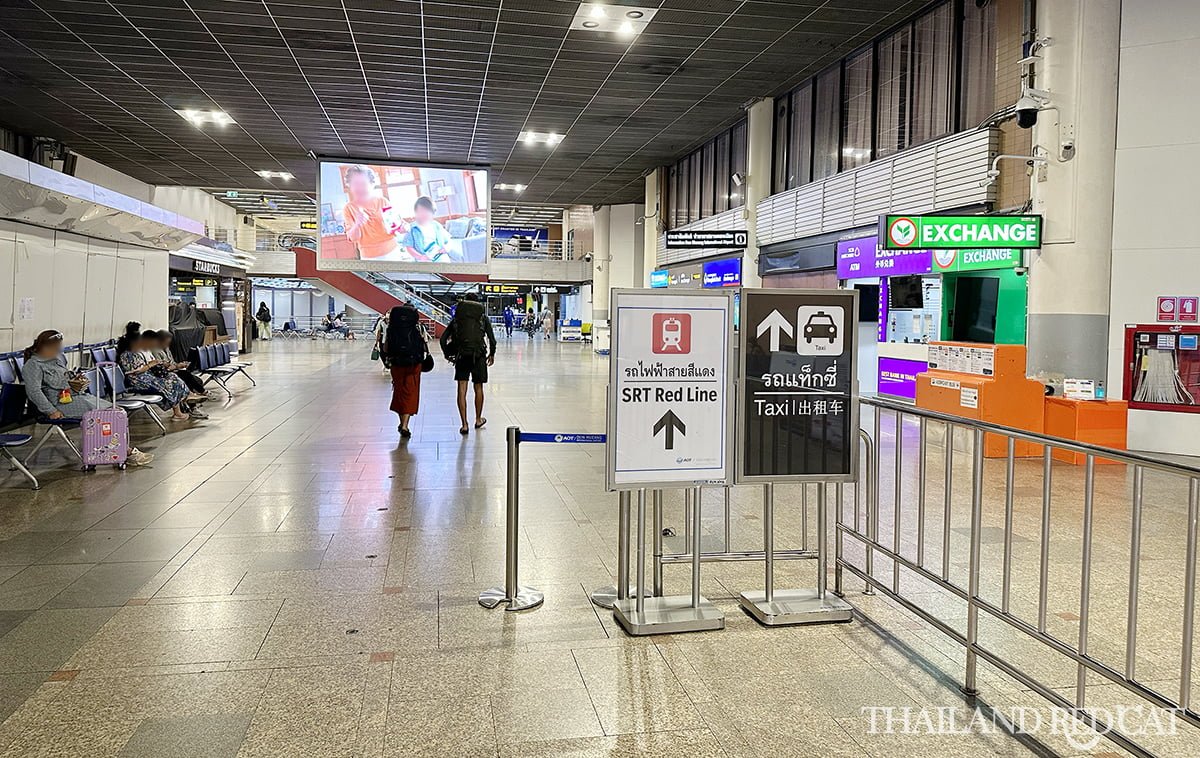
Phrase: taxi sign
(669, 393)
(798, 398)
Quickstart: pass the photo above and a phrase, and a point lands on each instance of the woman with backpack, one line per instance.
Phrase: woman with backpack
(263, 317)
(404, 349)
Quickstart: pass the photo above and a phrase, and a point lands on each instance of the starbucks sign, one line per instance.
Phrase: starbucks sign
(960, 232)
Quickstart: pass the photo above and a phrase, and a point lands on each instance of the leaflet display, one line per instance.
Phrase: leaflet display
(669, 394)
(798, 394)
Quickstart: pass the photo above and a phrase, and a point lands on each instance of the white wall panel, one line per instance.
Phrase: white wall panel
(100, 291)
(8, 262)
(69, 276)
(127, 305)
(33, 278)
(155, 283)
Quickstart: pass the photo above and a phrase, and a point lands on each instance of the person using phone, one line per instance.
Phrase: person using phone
(140, 373)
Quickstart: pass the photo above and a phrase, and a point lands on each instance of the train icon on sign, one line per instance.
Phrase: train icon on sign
(671, 334)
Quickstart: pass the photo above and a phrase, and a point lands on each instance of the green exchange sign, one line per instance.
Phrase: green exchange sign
(959, 232)
(945, 261)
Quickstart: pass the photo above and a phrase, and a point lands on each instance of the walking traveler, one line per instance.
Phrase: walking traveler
(404, 349)
(56, 391)
(509, 318)
(263, 317)
(547, 319)
(470, 344)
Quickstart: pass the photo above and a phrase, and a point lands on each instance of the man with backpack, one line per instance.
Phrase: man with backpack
(470, 344)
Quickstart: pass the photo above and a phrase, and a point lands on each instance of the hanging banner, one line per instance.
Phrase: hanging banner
(798, 398)
(670, 389)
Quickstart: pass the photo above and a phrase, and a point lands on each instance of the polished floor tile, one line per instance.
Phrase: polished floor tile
(292, 579)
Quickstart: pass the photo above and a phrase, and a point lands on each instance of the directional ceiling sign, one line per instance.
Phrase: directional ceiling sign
(670, 404)
(798, 398)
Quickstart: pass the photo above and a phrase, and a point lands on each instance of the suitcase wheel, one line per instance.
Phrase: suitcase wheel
(121, 466)
(89, 469)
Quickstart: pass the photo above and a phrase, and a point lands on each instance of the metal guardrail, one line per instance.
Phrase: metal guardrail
(916, 563)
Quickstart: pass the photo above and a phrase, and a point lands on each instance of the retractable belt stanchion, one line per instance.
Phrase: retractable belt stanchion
(520, 598)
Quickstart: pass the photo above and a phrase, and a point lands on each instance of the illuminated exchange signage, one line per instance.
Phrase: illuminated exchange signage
(683, 239)
(957, 232)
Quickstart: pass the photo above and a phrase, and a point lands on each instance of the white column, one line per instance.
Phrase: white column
(601, 263)
(1069, 276)
(651, 227)
(758, 181)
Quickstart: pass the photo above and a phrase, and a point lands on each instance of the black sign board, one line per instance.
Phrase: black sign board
(798, 399)
(683, 239)
(505, 289)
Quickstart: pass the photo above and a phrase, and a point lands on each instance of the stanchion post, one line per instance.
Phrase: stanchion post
(641, 550)
(769, 540)
(657, 570)
(696, 547)
(516, 597)
(623, 546)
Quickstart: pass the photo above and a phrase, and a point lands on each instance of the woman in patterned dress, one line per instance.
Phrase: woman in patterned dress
(145, 374)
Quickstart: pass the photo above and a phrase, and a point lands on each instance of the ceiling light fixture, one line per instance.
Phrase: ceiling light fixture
(548, 138)
(199, 118)
(284, 175)
(623, 20)
(507, 187)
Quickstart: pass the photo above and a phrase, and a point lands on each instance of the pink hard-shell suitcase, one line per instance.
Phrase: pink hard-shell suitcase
(105, 433)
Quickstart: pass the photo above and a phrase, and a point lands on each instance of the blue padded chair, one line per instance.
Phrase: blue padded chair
(13, 415)
(10, 371)
(114, 382)
(207, 367)
(225, 358)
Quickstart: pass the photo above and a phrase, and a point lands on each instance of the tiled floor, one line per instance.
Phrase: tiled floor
(289, 579)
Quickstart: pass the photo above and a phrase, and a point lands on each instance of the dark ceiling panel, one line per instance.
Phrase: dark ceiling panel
(445, 80)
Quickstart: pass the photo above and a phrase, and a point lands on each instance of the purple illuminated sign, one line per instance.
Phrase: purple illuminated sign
(861, 258)
(898, 376)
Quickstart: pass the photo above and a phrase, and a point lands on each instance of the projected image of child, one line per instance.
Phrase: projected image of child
(366, 226)
(427, 239)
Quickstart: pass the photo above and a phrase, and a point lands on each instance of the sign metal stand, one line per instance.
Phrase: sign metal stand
(797, 421)
(670, 411)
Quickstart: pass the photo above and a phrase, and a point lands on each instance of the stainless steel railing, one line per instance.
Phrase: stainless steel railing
(909, 547)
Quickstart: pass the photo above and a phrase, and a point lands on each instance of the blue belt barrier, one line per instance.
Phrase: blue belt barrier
(572, 438)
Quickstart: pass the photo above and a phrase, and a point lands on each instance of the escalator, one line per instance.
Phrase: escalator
(371, 291)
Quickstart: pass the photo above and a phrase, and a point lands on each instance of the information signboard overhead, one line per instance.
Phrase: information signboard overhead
(685, 239)
(669, 398)
(797, 406)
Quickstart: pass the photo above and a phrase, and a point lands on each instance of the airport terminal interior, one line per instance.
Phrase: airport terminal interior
(624, 378)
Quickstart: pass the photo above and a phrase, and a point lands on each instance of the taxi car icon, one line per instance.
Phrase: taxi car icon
(820, 326)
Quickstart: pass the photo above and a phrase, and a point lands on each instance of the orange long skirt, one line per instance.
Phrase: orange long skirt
(406, 389)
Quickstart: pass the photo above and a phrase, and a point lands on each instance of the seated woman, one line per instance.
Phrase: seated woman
(149, 375)
(160, 350)
(58, 393)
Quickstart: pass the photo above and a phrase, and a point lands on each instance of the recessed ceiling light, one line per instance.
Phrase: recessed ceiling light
(533, 138)
(507, 187)
(199, 118)
(284, 175)
(616, 19)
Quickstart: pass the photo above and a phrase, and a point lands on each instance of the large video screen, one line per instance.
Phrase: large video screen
(394, 217)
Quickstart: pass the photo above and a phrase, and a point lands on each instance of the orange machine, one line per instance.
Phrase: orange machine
(1097, 422)
(985, 383)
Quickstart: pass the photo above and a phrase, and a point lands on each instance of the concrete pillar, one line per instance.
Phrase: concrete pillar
(652, 226)
(1069, 277)
(601, 263)
(758, 181)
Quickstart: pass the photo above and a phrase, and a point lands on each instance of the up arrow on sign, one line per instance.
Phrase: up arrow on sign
(776, 323)
(670, 422)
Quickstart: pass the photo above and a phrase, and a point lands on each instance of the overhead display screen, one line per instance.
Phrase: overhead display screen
(395, 217)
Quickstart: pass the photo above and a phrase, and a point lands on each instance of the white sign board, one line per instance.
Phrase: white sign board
(669, 399)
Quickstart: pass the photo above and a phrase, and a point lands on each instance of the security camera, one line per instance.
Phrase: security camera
(587, 257)
(1032, 101)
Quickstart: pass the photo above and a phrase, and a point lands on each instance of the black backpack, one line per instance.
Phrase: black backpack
(468, 337)
(405, 347)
